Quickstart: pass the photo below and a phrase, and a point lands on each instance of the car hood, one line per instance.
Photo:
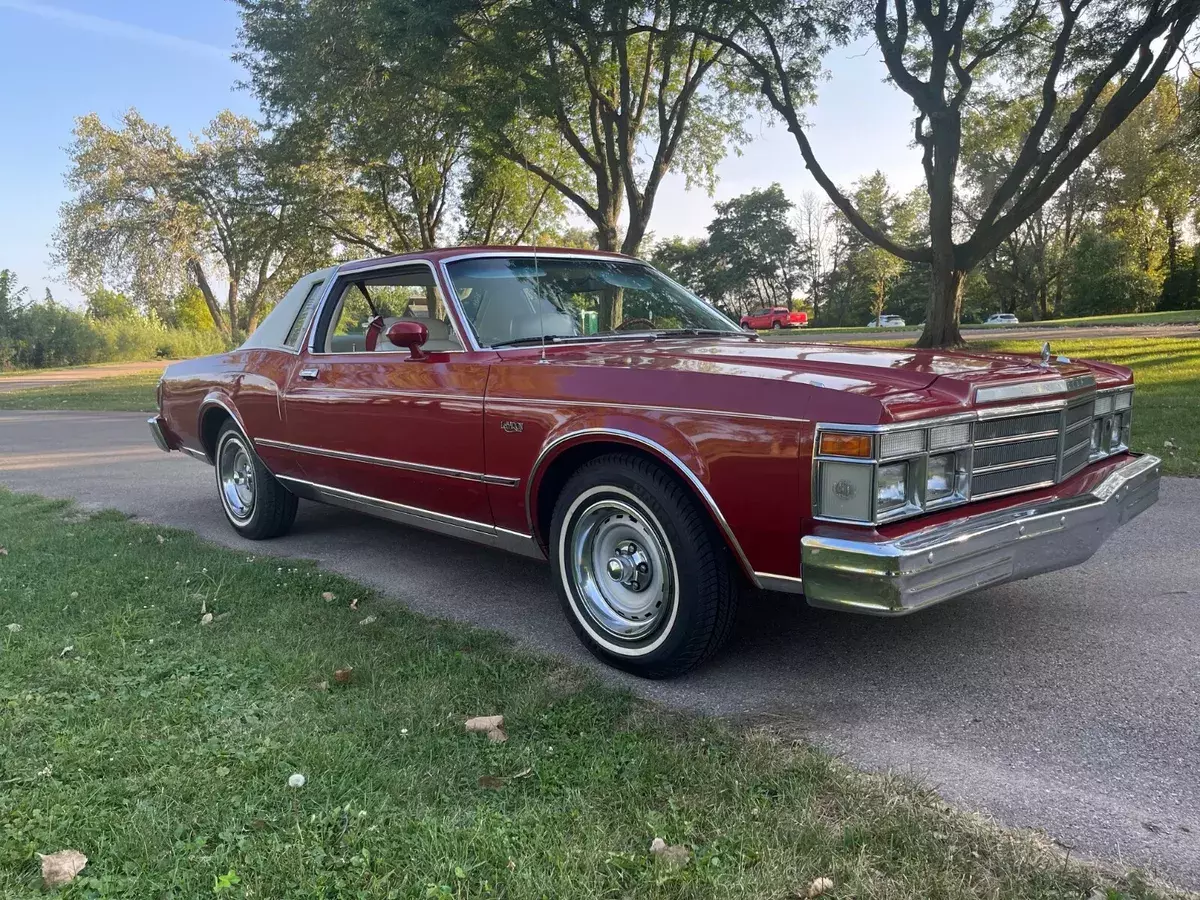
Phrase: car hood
(897, 376)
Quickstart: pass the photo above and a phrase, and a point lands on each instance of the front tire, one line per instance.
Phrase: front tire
(255, 504)
(642, 574)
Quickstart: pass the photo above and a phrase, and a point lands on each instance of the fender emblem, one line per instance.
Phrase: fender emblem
(510, 427)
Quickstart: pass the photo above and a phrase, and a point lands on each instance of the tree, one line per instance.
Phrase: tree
(103, 305)
(1078, 68)
(754, 250)
(814, 226)
(150, 216)
(503, 203)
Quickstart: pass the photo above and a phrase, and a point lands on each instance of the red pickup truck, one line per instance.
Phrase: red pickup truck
(774, 317)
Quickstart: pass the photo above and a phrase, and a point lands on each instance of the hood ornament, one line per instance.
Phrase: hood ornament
(1046, 354)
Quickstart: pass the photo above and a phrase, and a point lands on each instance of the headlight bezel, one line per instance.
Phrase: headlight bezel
(915, 443)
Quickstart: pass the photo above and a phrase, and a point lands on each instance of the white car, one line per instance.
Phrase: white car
(1002, 319)
(886, 322)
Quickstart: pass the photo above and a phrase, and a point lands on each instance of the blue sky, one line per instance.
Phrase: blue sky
(60, 59)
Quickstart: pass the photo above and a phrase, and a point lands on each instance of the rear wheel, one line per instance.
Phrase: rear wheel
(775, 326)
(255, 503)
(643, 576)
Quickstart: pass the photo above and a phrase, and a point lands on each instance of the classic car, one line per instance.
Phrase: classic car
(581, 407)
(775, 318)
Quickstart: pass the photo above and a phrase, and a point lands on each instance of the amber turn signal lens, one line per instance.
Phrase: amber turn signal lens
(834, 444)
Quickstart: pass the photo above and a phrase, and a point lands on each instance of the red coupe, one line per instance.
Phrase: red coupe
(775, 317)
(580, 407)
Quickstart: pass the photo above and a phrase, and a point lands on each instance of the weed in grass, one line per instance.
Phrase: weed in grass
(167, 752)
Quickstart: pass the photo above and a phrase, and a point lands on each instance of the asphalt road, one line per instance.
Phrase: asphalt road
(1070, 702)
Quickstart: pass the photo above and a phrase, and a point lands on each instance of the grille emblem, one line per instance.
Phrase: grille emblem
(1046, 354)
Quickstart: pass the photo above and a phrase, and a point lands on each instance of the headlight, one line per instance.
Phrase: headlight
(845, 490)
(939, 477)
(891, 487)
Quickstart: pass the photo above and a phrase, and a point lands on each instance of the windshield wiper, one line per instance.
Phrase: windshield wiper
(701, 332)
(532, 339)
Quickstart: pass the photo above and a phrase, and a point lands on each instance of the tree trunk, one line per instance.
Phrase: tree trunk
(611, 312)
(945, 307)
(210, 299)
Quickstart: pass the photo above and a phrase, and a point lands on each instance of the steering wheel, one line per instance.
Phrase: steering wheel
(374, 330)
(628, 324)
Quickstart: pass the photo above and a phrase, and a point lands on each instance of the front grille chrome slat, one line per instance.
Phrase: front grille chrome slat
(1026, 451)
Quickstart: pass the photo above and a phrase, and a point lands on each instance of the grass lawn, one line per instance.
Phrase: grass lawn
(161, 747)
(131, 393)
(1175, 317)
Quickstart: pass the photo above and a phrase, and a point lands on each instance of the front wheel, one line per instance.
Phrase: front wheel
(256, 505)
(643, 576)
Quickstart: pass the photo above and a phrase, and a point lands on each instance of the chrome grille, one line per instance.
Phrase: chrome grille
(1013, 453)
(1005, 480)
(1002, 454)
(1017, 426)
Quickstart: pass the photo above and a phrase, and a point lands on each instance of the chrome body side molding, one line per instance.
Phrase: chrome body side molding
(676, 463)
(784, 584)
(467, 529)
(391, 463)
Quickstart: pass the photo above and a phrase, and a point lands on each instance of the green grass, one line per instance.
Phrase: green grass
(1176, 317)
(131, 393)
(161, 748)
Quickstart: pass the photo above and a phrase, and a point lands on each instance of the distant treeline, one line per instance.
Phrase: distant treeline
(46, 333)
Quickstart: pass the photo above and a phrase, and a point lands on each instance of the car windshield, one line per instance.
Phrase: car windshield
(520, 299)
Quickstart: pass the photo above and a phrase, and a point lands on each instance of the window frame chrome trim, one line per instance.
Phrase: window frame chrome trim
(349, 275)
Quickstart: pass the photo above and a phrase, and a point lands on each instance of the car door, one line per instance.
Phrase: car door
(377, 422)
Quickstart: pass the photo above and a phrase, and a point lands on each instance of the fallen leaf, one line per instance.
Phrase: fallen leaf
(70, 648)
(524, 773)
(61, 867)
(676, 856)
(206, 619)
(342, 676)
(13, 627)
(354, 603)
(3, 551)
(258, 824)
(369, 620)
(74, 594)
(820, 886)
(328, 596)
(222, 771)
(484, 723)
(321, 686)
(491, 782)
(161, 539)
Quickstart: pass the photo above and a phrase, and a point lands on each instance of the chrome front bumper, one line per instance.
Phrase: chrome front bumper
(892, 578)
(156, 431)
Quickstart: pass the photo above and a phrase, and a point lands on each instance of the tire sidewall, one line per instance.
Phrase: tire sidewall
(230, 433)
(621, 482)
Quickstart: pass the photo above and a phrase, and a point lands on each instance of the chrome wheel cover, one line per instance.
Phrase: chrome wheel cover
(620, 568)
(235, 475)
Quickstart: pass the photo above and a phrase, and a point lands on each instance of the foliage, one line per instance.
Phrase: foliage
(103, 305)
(148, 217)
(1105, 276)
(184, 737)
(48, 334)
(1070, 73)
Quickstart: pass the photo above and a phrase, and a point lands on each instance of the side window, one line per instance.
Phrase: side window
(296, 332)
(402, 294)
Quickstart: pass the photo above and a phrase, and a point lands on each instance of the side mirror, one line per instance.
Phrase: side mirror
(409, 334)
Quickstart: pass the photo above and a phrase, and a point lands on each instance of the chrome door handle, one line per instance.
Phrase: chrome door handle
(308, 374)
